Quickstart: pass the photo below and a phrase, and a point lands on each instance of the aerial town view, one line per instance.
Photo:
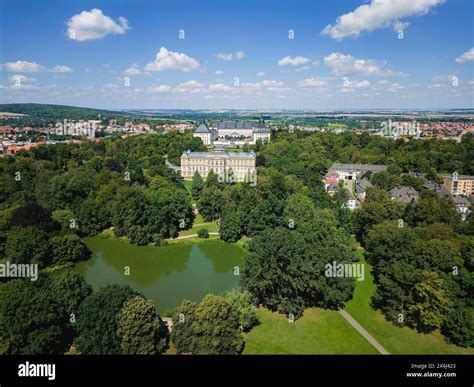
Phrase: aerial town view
(237, 178)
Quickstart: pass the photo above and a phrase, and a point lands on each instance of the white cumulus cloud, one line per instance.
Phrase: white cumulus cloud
(313, 82)
(356, 84)
(378, 14)
(159, 89)
(19, 82)
(228, 56)
(93, 24)
(468, 56)
(225, 57)
(342, 65)
(219, 87)
(23, 66)
(189, 87)
(170, 60)
(132, 71)
(295, 61)
(239, 55)
(61, 69)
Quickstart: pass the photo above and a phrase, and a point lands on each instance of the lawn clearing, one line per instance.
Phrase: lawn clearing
(211, 227)
(396, 340)
(319, 331)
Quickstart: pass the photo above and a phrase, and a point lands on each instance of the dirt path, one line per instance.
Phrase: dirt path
(363, 332)
(190, 236)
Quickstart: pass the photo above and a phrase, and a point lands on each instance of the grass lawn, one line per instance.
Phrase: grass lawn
(319, 331)
(211, 227)
(199, 219)
(395, 340)
(193, 240)
(188, 184)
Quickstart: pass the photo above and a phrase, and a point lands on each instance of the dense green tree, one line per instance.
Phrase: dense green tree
(211, 179)
(68, 190)
(430, 303)
(5, 218)
(139, 328)
(29, 319)
(92, 217)
(65, 219)
(210, 204)
(35, 316)
(97, 320)
(395, 281)
(440, 255)
(458, 326)
(69, 249)
(266, 214)
(391, 241)
(70, 289)
(373, 212)
(209, 327)
(386, 180)
(203, 233)
(241, 303)
(197, 186)
(28, 245)
(299, 208)
(432, 209)
(33, 215)
(230, 229)
(285, 269)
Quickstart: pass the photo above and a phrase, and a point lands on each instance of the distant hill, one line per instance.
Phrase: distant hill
(56, 112)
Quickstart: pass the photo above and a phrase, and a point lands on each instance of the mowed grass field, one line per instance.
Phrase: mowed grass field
(396, 340)
(322, 331)
(211, 227)
(319, 331)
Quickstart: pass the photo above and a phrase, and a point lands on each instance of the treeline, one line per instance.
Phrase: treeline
(421, 252)
(422, 257)
(41, 115)
(310, 154)
(61, 314)
(116, 183)
(295, 233)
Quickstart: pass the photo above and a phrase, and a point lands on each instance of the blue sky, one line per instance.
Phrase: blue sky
(344, 54)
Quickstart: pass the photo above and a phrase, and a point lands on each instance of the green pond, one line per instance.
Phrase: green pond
(165, 274)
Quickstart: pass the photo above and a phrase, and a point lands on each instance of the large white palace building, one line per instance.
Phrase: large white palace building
(232, 133)
(228, 166)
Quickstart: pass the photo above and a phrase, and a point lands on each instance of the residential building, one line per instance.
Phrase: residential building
(352, 201)
(463, 206)
(353, 171)
(440, 190)
(231, 166)
(404, 194)
(459, 185)
(361, 188)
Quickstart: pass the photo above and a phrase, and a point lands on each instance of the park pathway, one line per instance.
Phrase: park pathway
(190, 236)
(363, 332)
